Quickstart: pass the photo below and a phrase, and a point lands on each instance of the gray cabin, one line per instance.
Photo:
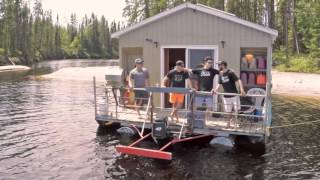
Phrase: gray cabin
(190, 32)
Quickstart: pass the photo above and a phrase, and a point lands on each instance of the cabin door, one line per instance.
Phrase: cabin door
(191, 55)
(195, 60)
(171, 55)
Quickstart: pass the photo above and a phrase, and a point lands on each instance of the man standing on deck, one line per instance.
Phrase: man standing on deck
(139, 78)
(206, 76)
(177, 78)
(229, 81)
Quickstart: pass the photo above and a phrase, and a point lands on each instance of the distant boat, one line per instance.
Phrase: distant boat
(13, 67)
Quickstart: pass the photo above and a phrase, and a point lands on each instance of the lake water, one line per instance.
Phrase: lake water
(48, 131)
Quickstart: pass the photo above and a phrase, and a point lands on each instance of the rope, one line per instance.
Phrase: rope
(296, 124)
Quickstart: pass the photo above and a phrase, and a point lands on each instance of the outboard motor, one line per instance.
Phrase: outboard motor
(159, 128)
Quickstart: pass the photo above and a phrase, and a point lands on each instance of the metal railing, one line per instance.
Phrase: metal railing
(116, 108)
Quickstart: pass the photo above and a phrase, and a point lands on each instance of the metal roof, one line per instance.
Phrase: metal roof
(201, 8)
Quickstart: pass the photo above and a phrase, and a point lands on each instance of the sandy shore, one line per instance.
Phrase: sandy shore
(14, 68)
(82, 73)
(297, 84)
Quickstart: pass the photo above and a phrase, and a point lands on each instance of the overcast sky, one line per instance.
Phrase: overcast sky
(111, 9)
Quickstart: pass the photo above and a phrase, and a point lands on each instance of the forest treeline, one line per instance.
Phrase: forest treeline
(34, 35)
(31, 35)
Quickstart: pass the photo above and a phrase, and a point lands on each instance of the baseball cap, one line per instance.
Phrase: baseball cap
(208, 58)
(179, 63)
(222, 62)
(138, 61)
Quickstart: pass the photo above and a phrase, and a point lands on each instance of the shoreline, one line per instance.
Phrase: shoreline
(81, 73)
(295, 84)
(283, 83)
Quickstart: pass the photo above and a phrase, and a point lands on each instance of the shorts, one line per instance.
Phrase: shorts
(141, 95)
(204, 102)
(176, 98)
(231, 103)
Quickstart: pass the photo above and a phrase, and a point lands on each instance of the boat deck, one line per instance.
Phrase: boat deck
(111, 108)
(213, 124)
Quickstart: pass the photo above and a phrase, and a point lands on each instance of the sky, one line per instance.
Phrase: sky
(111, 9)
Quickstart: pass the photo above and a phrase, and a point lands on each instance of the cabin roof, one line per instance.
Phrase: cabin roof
(202, 8)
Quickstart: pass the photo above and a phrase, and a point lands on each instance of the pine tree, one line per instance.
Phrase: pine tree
(57, 40)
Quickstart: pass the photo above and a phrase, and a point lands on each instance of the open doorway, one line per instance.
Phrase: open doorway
(191, 55)
(171, 55)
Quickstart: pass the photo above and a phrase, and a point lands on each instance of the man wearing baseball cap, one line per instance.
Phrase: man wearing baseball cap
(139, 78)
(177, 78)
(229, 81)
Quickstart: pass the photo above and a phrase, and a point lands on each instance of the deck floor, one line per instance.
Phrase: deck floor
(127, 116)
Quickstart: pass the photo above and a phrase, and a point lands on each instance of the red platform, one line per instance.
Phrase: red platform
(151, 153)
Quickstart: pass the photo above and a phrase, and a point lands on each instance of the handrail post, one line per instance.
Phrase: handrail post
(107, 101)
(192, 111)
(95, 96)
(236, 112)
(267, 115)
(151, 110)
(148, 107)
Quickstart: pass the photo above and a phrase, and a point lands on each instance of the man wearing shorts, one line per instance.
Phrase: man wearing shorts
(139, 78)
(206, 76)
(177, 78)
(229, 81)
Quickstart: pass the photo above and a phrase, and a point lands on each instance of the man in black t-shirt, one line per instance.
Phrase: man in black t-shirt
(229, 81)
(206, 75)
(177, 78)
(205, 83)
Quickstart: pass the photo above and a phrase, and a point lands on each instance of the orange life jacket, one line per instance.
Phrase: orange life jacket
(128, 97)
(261, 79)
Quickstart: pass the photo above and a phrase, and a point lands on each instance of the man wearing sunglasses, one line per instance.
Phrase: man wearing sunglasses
(204, 83)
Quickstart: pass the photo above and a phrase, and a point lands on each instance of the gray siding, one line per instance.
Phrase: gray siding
(188, 27)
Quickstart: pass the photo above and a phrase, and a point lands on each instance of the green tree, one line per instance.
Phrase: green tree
(57, 41)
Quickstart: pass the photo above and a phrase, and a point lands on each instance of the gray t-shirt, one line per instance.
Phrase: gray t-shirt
(139, 77)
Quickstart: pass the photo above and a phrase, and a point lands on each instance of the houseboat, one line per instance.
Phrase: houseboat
(189, 32)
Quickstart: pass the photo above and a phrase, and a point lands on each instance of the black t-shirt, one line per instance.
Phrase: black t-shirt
(178, 79)
(205, 78)
(228, 80)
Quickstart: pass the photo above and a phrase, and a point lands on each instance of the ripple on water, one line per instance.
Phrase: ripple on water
(47, 130)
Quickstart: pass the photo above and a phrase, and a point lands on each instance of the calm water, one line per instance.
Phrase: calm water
(47, 131)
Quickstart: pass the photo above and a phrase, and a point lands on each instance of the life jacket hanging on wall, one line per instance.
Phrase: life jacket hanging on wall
(244, 63)
(244, 78)
(252, 78)
(261, 61)
(253, 64)
(261, 79)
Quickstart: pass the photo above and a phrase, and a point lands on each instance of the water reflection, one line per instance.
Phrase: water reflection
(47, 131)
